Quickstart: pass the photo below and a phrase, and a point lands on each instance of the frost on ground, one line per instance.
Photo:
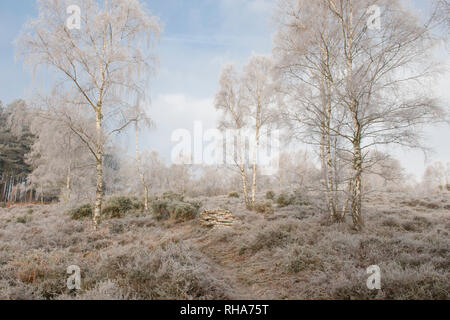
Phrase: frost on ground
(293, 253)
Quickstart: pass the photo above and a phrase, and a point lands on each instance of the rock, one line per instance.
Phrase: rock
(216, 218)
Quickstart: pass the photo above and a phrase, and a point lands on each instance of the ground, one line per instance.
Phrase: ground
(293, 253)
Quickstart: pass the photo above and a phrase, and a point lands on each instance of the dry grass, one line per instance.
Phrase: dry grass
(290, 254)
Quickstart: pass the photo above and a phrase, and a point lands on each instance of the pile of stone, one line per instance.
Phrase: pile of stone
(216, 218)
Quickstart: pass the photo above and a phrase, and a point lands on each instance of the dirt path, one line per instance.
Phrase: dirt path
(227, 266)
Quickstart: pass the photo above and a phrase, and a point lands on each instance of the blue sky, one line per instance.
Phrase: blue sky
(199, 37)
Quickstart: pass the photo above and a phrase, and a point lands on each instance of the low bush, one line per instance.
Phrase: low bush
(173, 270)
(284, 200)
(160, 209)
(113, 208)
(390, 222)
(270, 195)
(82, 212)
(41, 272)
(233, 194)
(288, 199)
(301, 258)
(172, 196)
(118, 207)
(431, 206)
(182, 211)
(263, 207)
(116, 227)
(266, 239)
(409, 226)
(22, 220)
(196, 204)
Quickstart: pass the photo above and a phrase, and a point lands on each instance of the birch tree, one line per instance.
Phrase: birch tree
(380, 80)
(142, 121)
(260, 96)
(230, 100)
(386, 73)
(306, 53)
(101, 66)
(60, 161)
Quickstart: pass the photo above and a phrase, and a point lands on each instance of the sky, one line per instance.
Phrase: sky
(199, 37)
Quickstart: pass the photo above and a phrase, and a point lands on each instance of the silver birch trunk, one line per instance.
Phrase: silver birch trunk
(242, 170)
(255, 153)
(99, 168)
(140, 172)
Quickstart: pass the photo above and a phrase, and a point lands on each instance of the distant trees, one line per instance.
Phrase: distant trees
(103, 65)
(437, 177)
(16, 140)
(442, 8)
(383, 173)
(296, 171)
(61, 164)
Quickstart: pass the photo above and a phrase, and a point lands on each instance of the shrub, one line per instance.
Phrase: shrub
(42, 272)
(116, 227)
(288, 199)
(160, 209)
(83, 212)
(172, 196)
(409, 226)
(233, 194)
(270, 195)
(29, 211)
(431, 206)
(301, 258)
(22, 220)
(117, 207)
(447, 187)
(390, 222)
(284, 200)
(196, 204)
(2, 205)
(263, 207)
(182, 211)
(173, 270)
(268, 238)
